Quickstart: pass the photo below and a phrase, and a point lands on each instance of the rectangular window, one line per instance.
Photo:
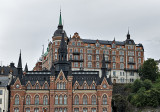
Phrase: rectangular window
(1, 92)
(73, 43)
(139, 60)
(81, 65)
(0, 100)
(114, 73)
(76, 57)
(70, 50)
(97, 51)
(131, 73)
(113, 52)
(81, 50)
(114, 65)
(89, 51)
(89, 64)
(70, 56)
(78, 44)
(75, 64)
(55, 49)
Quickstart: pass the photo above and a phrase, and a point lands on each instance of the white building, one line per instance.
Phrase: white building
(4, 93)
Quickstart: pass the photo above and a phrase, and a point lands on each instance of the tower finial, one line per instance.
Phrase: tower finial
(128, 35)
(60, 18)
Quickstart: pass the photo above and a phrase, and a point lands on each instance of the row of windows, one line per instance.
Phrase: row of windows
(37, 86)
(61, 85)
(35, 110)
(28, 100)
(93, 100)
(85, 86)
(92, 110)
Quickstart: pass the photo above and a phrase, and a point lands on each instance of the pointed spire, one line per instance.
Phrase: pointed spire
(26, 68)
(43, 50)
(19, 61)
(128, 35)
(60, 18)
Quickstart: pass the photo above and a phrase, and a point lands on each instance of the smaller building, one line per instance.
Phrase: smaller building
(4, 93)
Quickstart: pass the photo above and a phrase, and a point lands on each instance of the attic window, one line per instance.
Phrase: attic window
(97, 44)
(113, 46)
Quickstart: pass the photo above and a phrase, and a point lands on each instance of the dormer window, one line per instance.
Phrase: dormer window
(45, 86)
(113, 46)
(97, 44)
(85, 86)
(37, 86)
(28, 86)
(93, 86)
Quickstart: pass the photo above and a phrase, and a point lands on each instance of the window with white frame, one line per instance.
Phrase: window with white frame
(89, 64)
(114, 73)
(60, 100)
(139, 53)
(139, 60)
(85, 110)
(89, 51)
(131, 59)
(81, 50)
(121, 59)
(89, 57)
(122, 80)
(114, 59)
(76, 109)
(121, 66)
(81, 57)
(81, 64)
(97, 51)
(113, 52)
(114, 65)
(97, 65)
(56, 56)
(56, 50)
(75, 64)
(106, 57)
(97, 58)
(70, 50)
(75, 57)
(93, 110)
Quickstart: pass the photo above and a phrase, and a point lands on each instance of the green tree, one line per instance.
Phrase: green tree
(147, 84)
(136, 85)
(149, 70)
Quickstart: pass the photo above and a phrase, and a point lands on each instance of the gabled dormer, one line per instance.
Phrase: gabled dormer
(29, 85)
(61, 81)
(104, 84)
(17, 84)
(46, 85)
(85, 85)
(37, 85)
(76, 85)
(93, 85)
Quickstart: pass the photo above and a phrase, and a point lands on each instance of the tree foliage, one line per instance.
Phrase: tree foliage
(149, 70)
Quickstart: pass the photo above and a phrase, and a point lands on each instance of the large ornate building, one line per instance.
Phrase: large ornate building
(60, 89)
(122, 58)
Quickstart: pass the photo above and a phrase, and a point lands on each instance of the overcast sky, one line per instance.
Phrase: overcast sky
(28, 24)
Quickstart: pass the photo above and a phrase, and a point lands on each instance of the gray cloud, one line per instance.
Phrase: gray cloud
(27, 25)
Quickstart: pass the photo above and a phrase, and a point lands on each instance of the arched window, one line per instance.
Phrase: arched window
(56, 99)
(27, 109)
(76, 100)
(104, 109)
(76, 109)
(93, 100)
(85, 110)
(45, 86)
(37, 86)
(60, 99)
(28, 100)
(65, 109)
(85, 86)
(60, 109)
(97, 65)
(121, 66)
(36, 110)
(97, 58)
(57, 85)
(85, 100)
(28, 86)
(16, 110)
(104, 99)
(93, 86)
(56, 109)
(36, 100)
(45, 100)
(65, 99)
(64, 85)
(61, 85)
(17, 100)
(93, 110)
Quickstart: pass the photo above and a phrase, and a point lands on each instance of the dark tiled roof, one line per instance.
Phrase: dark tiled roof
(4, 81)
(88, 76)
(7, 69)
(40, 76)
(102, 42)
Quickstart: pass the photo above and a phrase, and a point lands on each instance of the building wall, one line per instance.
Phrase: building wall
(4, 97)
(78, 52)
(70, 91)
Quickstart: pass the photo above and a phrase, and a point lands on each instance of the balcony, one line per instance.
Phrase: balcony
(131, 69)
(76, 53)
(131, 63)
(108, 61)
(76, 60)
